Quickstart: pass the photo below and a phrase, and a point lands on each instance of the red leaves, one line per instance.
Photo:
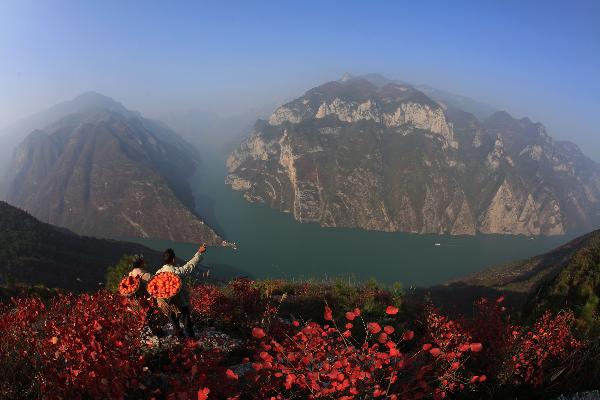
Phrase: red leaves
(475, 347)
(435, 351)
(548, 341)
(383, 337)
(391, 310)
(231, 375)
(258, 333)
(374, 327)
(75, 344)
(203, 393)
(327, 315)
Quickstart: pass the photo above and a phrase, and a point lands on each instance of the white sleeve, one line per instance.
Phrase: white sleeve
(189, 266)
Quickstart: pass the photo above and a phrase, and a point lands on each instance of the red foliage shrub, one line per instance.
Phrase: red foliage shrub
(322, 361)
(537, 349)
(92, 346)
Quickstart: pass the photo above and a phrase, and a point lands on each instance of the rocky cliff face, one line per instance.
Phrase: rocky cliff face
(353, 154)
(109, 174)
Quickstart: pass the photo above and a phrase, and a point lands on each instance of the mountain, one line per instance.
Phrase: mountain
(12, 135)
(108, 172)
(447, 100)
(353, 154)
(38, 253)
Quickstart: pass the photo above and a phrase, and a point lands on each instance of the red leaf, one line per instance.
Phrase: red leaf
(388, 329)
(258, 333)
(408, 335)
(231, 375)
(391, 310)
(476, 347)
(328, 315)
(350, 316)
(383, 337)
(374, 327)
(203, 393)
(435, 351)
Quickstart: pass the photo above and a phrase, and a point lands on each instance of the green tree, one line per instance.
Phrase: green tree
(115, 273)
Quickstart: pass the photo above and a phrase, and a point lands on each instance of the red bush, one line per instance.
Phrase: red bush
(92, 346)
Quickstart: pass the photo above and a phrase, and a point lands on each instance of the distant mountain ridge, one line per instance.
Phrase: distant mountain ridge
(105, 171)
(447, 99)
(388, 157)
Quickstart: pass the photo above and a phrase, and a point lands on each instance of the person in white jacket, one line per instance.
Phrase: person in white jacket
(182, 300)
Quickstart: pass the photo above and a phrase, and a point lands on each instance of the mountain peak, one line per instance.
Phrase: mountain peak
(92, 101)
(346, 77)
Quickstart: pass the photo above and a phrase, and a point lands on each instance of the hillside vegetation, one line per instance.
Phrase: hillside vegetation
(34, 252)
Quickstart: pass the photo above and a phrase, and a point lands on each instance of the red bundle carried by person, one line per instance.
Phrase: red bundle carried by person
(164, 285)
(129, 285)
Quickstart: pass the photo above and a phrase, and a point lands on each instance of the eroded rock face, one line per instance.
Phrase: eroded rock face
(388, 158)
(107, 174)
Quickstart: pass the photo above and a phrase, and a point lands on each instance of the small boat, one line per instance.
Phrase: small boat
(437, 244)
(231, 245)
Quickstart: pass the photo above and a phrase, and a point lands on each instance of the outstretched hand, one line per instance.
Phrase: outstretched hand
(202, 248)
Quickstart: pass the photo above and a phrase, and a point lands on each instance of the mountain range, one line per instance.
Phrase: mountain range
(102, 170)
(381, 155)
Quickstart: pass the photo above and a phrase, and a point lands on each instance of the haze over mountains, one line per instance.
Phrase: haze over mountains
(102, 170)
(377, 154)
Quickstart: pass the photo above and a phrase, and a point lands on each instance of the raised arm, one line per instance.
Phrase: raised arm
(190, 265)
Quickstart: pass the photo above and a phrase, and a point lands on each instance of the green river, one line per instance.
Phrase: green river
(272, 245)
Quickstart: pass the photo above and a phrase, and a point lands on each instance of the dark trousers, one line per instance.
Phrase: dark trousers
(185, 319)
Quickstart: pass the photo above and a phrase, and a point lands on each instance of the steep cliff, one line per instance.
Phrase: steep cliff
(386, 157)
(109, 174)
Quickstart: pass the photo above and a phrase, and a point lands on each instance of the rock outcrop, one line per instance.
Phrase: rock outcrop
(353, 154)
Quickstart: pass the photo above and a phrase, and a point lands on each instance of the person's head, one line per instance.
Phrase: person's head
(138, 261)
(169, 256)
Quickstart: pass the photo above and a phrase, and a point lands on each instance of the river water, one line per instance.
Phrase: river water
(272, 245)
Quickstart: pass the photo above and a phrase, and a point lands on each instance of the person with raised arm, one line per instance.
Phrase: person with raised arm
(182, 300)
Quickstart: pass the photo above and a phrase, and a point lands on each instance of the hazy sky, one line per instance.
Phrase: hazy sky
(540, 59)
